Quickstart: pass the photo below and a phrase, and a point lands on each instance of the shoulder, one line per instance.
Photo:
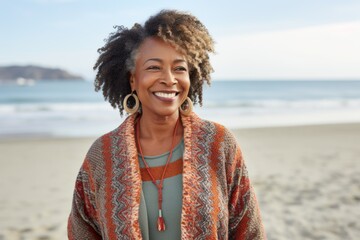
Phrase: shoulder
(219, 140)
(95, 156)
(103, 146)
(210, 128)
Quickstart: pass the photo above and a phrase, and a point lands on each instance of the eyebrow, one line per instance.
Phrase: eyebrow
(161, 61)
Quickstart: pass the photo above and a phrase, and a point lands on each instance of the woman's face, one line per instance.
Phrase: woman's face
(161, 77)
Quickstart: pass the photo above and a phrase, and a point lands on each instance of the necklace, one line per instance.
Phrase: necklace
(158, 184)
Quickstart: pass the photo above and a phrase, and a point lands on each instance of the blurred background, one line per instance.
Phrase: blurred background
(285, 53)
(287, 73)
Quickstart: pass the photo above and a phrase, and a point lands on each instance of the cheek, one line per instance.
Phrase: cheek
(139, 83)
(140, 89)
(186, 85)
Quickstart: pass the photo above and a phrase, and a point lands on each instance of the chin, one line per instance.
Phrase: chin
(167, 112)
(161, 110)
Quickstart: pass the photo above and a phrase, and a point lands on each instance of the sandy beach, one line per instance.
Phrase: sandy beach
(307, 180)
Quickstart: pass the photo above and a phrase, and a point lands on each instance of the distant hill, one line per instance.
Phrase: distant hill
(9, 73)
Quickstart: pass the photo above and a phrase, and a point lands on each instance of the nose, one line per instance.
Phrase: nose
(168, 78)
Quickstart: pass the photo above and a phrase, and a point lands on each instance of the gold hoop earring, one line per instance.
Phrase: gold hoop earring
(133, 109)
(188, 107)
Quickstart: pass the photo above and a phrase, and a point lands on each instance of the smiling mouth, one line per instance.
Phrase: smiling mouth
(166, 94)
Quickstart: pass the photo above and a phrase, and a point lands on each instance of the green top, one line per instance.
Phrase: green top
(172, 199)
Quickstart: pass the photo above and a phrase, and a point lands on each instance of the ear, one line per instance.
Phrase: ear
(132, 82)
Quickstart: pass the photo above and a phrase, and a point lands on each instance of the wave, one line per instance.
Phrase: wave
(85, 119)
(255, 105)
(273, 103)
(52, 107)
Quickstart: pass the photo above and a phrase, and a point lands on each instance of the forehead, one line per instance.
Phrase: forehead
(153, 47)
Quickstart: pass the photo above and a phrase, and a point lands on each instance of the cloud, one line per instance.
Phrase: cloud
(318, 52)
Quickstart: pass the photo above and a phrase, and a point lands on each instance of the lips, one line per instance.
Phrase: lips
(168, 95)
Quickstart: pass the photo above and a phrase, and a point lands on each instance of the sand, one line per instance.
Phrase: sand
(37, 180)
(307, 180)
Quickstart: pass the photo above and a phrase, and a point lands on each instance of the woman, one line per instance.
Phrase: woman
(164, 173)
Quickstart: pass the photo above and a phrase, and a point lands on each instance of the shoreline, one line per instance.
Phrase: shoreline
(307, 180)
(43, 136)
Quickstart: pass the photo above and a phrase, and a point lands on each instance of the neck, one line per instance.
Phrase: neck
(159, 128)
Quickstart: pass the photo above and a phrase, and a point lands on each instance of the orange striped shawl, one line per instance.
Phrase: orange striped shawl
(218, 200)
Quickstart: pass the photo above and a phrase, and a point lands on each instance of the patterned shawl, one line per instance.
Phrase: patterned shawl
(218, 200)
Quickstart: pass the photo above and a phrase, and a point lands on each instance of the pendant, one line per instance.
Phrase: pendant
(160, 222)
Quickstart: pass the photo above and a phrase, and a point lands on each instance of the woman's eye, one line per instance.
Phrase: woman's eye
(153, 68)
(180, 69)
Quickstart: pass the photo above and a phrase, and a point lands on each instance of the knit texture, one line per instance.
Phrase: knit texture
(218, 200)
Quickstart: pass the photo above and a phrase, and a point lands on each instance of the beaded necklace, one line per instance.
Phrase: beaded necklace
(159, 183)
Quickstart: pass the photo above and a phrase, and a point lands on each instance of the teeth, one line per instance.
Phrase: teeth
(165, 95)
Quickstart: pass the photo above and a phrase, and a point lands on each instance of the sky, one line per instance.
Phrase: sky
(255, 40)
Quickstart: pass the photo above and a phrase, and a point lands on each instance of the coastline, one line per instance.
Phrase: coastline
(307, 180)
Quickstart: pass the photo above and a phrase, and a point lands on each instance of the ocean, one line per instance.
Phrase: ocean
(74, 109)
